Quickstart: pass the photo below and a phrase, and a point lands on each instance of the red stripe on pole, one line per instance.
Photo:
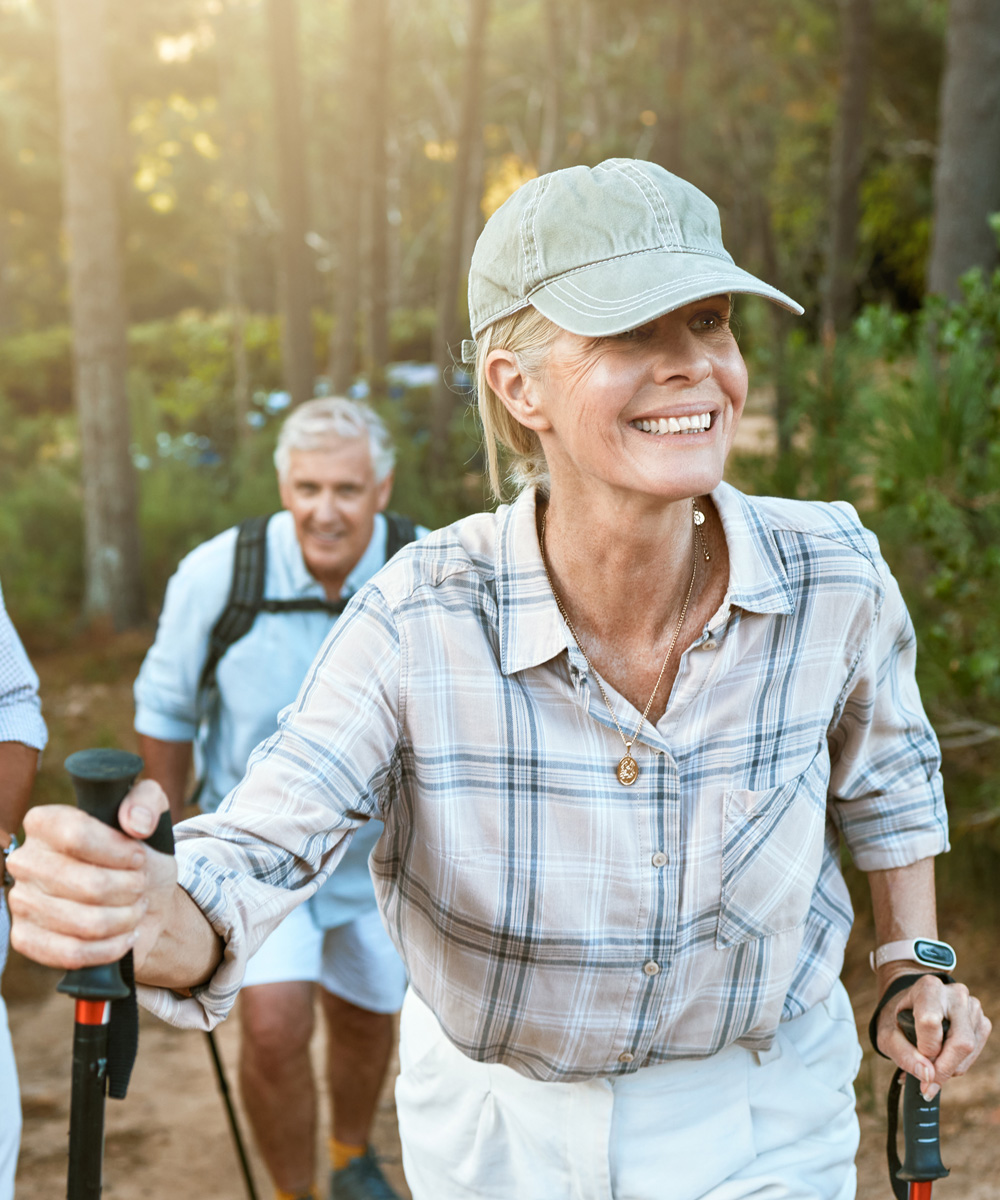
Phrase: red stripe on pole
(921, 1190)
(92, 1012)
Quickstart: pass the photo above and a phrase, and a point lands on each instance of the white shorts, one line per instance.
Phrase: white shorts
(356, 961)
(779, 1125)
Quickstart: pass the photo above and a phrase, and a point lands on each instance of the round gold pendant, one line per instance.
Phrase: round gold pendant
(628, 771)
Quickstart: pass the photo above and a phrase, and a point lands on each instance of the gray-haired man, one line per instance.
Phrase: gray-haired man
(334, 462)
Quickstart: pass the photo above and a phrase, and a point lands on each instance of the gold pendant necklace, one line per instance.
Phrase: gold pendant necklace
(627, 770)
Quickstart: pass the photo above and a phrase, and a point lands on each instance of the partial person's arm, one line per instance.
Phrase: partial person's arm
(18, 764)
(888, 801)
(904, 906)
(85, 893)
(22, 730)
(169, 765)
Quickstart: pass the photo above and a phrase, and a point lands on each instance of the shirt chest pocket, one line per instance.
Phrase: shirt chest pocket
(772, 846)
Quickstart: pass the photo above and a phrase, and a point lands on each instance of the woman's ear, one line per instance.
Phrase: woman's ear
(519, 392)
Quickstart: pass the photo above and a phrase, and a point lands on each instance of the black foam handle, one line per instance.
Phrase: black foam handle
(101, 780)
(921, 1121)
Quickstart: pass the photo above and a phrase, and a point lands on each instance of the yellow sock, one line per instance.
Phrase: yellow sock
(310, 1192)
(342, 1153)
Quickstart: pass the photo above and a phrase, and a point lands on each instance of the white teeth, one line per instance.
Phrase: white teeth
(693, 424)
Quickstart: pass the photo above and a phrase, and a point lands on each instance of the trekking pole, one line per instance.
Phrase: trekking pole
(922, 1164)
(220, 1075)
(101, 780)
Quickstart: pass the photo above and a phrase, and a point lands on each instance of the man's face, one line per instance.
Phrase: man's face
(333, 498)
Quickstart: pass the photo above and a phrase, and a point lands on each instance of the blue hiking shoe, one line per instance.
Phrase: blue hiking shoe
(361, 1179)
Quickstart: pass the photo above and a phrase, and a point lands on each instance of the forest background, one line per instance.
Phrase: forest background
(212, 209)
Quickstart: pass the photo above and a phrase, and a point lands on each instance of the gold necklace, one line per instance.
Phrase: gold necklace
(628, 769)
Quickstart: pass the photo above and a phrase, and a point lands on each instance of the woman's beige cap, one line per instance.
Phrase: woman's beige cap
(599, 250)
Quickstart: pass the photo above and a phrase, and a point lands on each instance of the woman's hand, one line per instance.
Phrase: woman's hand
(86, 894)
(934, 1059)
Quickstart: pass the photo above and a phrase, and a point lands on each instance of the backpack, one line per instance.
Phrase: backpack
(246, 592)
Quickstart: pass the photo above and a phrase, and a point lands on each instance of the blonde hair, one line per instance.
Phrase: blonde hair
(528, 336)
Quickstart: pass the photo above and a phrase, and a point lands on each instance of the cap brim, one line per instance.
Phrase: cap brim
(622, 293)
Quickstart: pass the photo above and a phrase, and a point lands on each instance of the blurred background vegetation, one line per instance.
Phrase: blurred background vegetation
(296, 186)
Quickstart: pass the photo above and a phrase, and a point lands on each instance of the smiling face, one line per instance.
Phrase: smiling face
(333, 498)
(653, 410)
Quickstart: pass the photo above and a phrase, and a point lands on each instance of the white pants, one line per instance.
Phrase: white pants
(779, 1125)
(356, 961)
(10, 1100)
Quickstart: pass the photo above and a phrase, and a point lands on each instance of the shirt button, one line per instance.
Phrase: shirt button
(651, 968)
(659, 859)
(710, 644)
(625, 1057)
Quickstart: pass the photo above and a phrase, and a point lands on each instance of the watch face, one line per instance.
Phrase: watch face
(934, 954)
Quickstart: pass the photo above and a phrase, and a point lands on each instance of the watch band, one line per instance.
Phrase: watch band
(5, 878)
(938, 956)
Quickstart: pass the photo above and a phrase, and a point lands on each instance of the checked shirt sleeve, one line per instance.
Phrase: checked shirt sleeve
(885, 785)
(20, 709)
(281, 831)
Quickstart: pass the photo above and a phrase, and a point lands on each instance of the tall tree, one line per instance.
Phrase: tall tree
(846, 163)
(377, 192)
(295, 266)
(343, 333)
(967, 174)
(113, 585)
(464, 192)
(550, 141)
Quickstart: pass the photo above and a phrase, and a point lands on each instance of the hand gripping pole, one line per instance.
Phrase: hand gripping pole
(101, 780)
(914, 1178)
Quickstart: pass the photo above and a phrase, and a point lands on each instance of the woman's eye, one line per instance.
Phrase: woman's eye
(711, 321)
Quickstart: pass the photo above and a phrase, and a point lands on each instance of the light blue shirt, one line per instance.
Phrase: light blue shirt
(257, 677)
(20, 718)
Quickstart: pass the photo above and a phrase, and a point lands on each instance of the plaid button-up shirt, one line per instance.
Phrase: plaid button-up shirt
(554, 920)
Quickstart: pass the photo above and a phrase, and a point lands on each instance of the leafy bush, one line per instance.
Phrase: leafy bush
(902, 416)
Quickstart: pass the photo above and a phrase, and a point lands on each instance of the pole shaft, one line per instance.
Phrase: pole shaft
(86, 1119)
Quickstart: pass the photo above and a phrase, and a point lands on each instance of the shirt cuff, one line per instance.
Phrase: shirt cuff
(151, 723)
(886, 832)
(24, 724)
(208, 885)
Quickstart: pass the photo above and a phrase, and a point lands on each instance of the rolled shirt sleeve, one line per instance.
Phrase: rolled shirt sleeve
(166, 689)
(20, 709)
(885, 785)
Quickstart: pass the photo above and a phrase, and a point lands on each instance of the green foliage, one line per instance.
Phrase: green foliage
(902, 416)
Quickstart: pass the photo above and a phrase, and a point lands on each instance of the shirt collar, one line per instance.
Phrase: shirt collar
(758, 580)
(531, 629)
(306, 584)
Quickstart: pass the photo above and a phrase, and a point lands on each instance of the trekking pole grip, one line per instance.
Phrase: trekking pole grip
(921, 1128)
(101, 781)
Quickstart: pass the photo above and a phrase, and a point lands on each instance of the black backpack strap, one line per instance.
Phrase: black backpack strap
(401, 531)
(246, 593)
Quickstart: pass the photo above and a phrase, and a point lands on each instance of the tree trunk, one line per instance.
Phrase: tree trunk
(846, 162)
(234, 180)
(446, 333)
(113, 581)
(295, 261)
(377, 204)
(967, 174)
(343, 336)
(550, 142)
